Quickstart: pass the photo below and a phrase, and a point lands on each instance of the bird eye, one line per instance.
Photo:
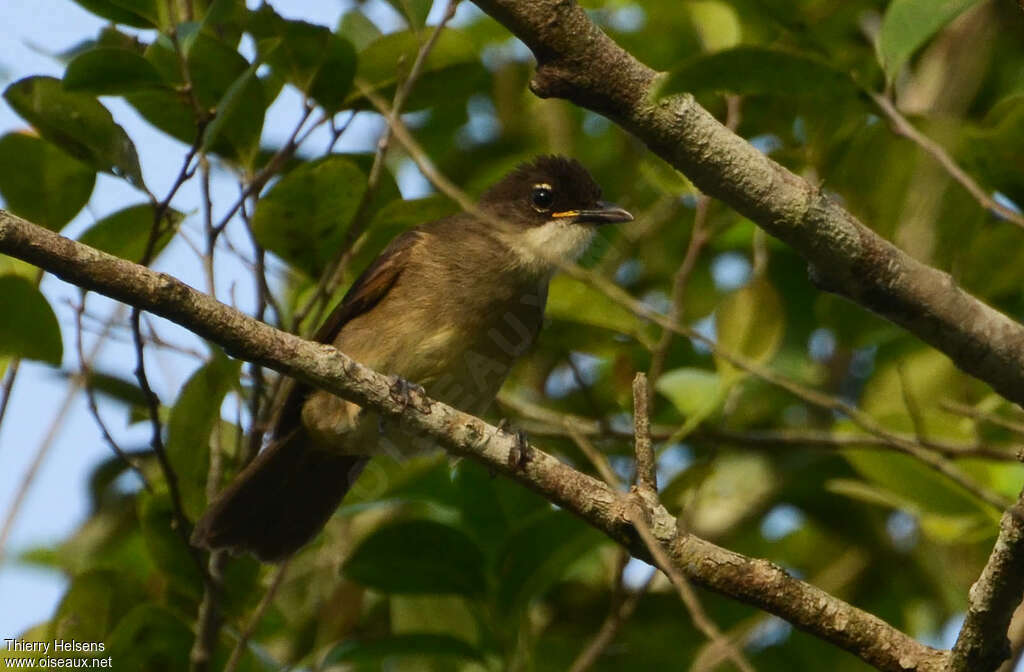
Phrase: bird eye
(542, 197)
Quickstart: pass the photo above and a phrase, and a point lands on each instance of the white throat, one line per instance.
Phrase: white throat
(542, 247)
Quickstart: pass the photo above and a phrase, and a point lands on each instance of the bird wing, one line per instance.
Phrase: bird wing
(365, 293)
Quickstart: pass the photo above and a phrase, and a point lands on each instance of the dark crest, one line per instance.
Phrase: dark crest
(546, 185)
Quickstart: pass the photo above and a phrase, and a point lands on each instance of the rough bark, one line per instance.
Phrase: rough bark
(755, 582)
(577, 61)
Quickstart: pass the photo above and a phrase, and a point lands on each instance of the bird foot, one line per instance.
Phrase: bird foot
(402, 391)
(520, 453)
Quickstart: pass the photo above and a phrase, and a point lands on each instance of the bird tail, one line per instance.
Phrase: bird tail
(279, 501)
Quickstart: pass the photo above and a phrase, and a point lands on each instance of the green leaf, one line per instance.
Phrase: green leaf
(451, 70)
(946, 528)
(357, 29)
(908, 24)
(750, 323)
(113, 387)
(695, 392)
(734, 487)
(751, 70)
(193, 418)
(333, 81)
(126, 232)
(95, 601)
(77, 123)
(114, 11)
(165, 546)
(395, 218)
(239, 118)
(717, 22)
(110, 71)
(304, 217)
(152, 638)
(420, 645)
(155, 11)
(538, 554)
(32, 171)
(930, 491)
(214, 69)
(414, 11)
(994, 149)
(34, 332)
(574, 301)
(927, 377)
(108, 37)
(418, 556)
(309, 56)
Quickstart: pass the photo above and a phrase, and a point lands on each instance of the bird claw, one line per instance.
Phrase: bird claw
(520, 453)
(401, 390)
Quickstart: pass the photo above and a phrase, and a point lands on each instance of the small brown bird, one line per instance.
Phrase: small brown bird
(448, 305)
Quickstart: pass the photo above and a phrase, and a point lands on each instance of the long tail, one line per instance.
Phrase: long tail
(280, 501)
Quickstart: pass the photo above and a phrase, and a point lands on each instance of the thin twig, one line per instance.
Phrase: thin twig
(646, 489)
(620, 296)
(257, 616)
(208, 620)
(335, 271)
(623, 605)
(699, 237)
(43, 450)
(646, 468)
(980, 416)
(8, 386)
(811, 396)
(901, 126)
(688, 596)
(273, 165)
(543, 421)
(208, 228)
(596, 457)
(90, 396)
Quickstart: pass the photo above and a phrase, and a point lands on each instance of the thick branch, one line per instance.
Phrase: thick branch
(755, 582)
(982, 644)
(575, 60)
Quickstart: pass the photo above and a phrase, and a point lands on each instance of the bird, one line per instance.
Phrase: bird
(448, 307)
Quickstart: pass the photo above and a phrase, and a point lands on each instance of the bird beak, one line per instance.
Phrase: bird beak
(604, 213)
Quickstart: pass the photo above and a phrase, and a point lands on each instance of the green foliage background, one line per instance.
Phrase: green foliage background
(431, 565)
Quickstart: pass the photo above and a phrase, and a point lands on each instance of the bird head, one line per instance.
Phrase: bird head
(546, 210)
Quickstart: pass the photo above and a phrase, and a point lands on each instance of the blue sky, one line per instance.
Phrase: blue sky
(58, 500)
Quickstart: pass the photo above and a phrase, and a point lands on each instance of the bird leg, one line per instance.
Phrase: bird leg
(520, 453)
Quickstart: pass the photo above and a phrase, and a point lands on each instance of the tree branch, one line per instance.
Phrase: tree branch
(982, 644)
(577, 61)
(755, 582)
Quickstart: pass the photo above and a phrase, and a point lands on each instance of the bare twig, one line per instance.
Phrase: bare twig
(542, 421)
(208, 620)
(335, 271)
(901, 126)
(280, 157)
(752, 581)
(257, 616)
(595, 456)
(620, 296)
(689, 598)
(699, 237)
(646, 469)
(623, 604)
(982, 644)
(43, 450)
(858, 417)
(90, 396)
(980, 416)
(8, 386)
